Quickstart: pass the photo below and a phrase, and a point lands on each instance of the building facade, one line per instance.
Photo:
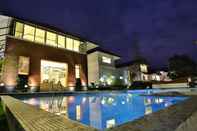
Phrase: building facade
(44, 57)
(102, 67)
(48, 59)
(134, 71)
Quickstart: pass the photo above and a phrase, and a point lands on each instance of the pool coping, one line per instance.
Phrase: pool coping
(22, 116)
(60, 92)
(175, 117)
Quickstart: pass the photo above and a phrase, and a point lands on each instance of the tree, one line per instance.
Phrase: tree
(181, 66)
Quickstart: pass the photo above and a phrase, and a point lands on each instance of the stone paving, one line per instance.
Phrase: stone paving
(35, 119)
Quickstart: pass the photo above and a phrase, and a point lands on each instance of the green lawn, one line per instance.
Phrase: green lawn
(3, 121)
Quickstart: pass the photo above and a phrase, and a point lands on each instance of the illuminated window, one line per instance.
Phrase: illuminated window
(143, 68)
(76, 45)
(61, 41)
(69, 43)
(23, 65)
(40, 35)
(43, 36)
(54, 71)
(51, 39)
(77, 71)
(29, 32)
(19, 30)
(106, 60)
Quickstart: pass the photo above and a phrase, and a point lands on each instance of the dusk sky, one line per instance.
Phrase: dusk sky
(165, 27)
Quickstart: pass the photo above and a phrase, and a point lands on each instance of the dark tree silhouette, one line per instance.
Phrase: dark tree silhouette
(181, 66)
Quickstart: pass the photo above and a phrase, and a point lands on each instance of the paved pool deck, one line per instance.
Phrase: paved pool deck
(25, 117)
(178, 117)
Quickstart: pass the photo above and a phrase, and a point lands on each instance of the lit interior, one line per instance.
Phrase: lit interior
(54, 72)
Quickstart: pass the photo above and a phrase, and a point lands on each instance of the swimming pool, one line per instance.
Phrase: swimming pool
(102, 110)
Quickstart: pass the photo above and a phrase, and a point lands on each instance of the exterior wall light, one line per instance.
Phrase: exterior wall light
(2, 84)
(71, 88)
(102, 79)
(32, 88)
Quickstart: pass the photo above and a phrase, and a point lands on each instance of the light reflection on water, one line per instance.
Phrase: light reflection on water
(102, 110)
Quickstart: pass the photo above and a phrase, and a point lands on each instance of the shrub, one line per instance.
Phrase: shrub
(141, 85)
(118, 82)
(78, 86)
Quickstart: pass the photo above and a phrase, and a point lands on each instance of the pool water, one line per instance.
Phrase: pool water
(103, 110)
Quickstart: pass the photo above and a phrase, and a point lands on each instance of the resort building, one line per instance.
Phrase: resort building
(101, 67)
(135, 71)
(159, 76)
(41, 55)
(44, 58)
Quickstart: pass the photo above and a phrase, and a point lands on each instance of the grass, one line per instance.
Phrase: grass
(3, 121)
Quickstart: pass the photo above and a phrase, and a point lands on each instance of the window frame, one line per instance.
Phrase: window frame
(33, 33)
(59, 35)
(20, 58)
(44, 38)
(61, 40)
(77, 71)
(22, 33)
(55, 40)
(67, 43)
(74, 45)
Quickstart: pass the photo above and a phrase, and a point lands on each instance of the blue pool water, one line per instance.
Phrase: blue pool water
(103, 110)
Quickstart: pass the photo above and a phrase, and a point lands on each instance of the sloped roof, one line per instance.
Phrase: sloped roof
(131, 63)
(102, 50)
(51, 27)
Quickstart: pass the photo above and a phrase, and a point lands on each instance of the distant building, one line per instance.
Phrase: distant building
(101, 67)
(135, 71)
(159, 76)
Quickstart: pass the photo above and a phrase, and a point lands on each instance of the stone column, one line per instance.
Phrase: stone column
(10, 72)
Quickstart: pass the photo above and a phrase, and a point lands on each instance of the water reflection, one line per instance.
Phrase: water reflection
(103, 110)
